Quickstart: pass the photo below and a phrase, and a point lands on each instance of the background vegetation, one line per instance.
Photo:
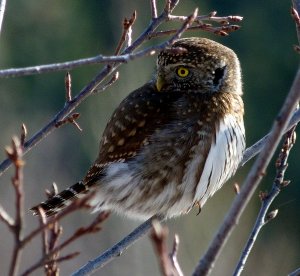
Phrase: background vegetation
(51, 31)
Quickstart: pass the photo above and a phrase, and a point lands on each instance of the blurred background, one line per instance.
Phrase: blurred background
(54, 31)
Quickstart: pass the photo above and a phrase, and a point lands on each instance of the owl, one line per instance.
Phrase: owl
(172, 143)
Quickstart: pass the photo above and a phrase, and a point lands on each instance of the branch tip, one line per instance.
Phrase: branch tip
(271, 215)
(68, 87)
(23, 134)
(236, 188)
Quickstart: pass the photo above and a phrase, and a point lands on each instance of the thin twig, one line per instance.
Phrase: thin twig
(128, 53)
(173, 256)
(159, 237)
(70, 119)
(258, 146)
(295, 273)
(5, 217)
(295, 15)
(222, 31)
(263, 217)
(74, 206)
(117, 249)
(50, 262)
(15, 153)
(250, 184)
(153, 9)
(2, 11)
(52, 234)
(92, 228)
(113, 79)
(23, 135)
(68, 86)
(127, 25)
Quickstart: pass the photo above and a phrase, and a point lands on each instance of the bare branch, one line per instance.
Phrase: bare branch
(117, 249)
(267, 198)
(127, 30)
(68, 87)
(258, 146)
(70, 119)
(295, 15)
(113, 79)
(168, 262)
(92, 228)
(75, 205)
(173, 256)
(50, 235)
(128, 53)
(15, 153)
(295, 273)
(23, 134)
(50, 262)
(159, 237)
(2, 10)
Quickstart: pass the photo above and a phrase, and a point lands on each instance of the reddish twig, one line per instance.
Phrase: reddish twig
(168, 262)
(74, 206)
(15, 153)
(114, 78)
(70, 119)
(23, 135)
(53, 233)
(92, 228)
(173, 256)
(50, 262)
(127, 29)
(68, 87)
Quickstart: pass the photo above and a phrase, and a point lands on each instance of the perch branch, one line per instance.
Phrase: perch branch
(267, 198)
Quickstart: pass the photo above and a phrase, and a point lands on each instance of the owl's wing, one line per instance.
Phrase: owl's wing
(138, 116)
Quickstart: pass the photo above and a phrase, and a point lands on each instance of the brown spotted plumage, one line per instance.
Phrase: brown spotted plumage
(173, 142)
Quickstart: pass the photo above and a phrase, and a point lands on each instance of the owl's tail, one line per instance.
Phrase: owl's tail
(60, 201)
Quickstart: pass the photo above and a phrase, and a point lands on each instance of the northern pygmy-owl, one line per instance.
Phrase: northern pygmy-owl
(173, 142)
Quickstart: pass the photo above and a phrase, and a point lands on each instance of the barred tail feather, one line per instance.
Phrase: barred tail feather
(62, 200)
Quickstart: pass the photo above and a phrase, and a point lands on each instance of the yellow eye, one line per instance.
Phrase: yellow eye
(182, 72)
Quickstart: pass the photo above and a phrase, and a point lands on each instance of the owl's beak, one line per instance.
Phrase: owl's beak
(160, 81)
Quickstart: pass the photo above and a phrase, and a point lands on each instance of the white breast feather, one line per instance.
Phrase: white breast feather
(223, 158)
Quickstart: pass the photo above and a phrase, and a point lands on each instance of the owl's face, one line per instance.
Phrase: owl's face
(198, 65)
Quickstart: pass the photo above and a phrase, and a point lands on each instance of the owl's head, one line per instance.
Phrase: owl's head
(198, 65)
